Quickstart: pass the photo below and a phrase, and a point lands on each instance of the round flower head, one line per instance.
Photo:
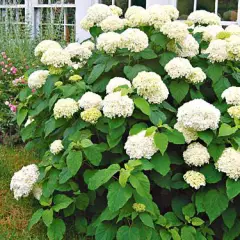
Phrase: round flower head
(229, 163)
(140, 146)
(117, 82)
(138, 19)
(198, 115)
(134, 40)
(171, 11)
(56, 57)
(233, 48)
(86, 23)
(75, 78)
(217, 51)
(203, 17)
(158, 17)
(116, 10)
(234, 112)
(109, 42)
(150, 86)
(88, 44)
(112, 23)
(175, 30)
(90, 100)
(134, 10)
(233, 29)
(24, 180)
(65, 108)
(189, 134)
(196, 155)
(223, 35)
(116, 105)
(37, 79)
(139, 207)
(196, 76)
(210, 32)
(194, 179)
(91, 115)
(178, 68)
(78, 52)
(43, 46)
(232, 95)
(56, 147)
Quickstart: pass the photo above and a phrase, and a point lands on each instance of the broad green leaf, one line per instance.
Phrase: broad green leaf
(172, 220)
(233, 188)
(81, 224)
(52, 101)
(166, 57)
(229, 217)
(161, 141)
(175, 137)
(123, 177)
(211, 174)
(137, 128)
(199, 201)
(216, 150)
(161, 163)
(175, 234)
(146, 219)
(131, 72)
(143, 105)
(21, 115)
(24, 93)
(178, 203)
(102, 176)
(159, 39)
(116, 122)
(52, 124)
(188, 233)
(82, 201)
(35, 218)
(226, 130)
(148, 53)
(196, 221)
(61, 201)
(118, 196)
(47, 217)
(106, 231)
(219, 86)
(189, 210)
(232, 233)
(93, 155)
(74, 161)
(128, 233)
(96, 73)
(215, 203)
(29, 131)
(215, 71)
(157, 117)
(206, 136)
(150, 131)
(165, 235)
(179, 90)
(65, 175)
(49, 85)
(56, 230)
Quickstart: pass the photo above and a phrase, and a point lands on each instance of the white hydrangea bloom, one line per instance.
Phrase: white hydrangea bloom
(109, 42)
(65, 108)
(234, 111)
(217, 51)
(178, 68)
(158, 17)
(29, 121)
(43, 46)
(138, 19)
(229, 163)
(88, 44)
(203, 17)
(91, 115)
(111, 24)
(196, 76)
(37, 79)
(116, 105)
(37, 191)
(175, 30)
(233, 48)
(78, 51)
(232, 95)
(134, 10)
(24, 180)
(90, 100)
(134, 40)
(196, 155)
(56, 57)
(117, 82)
(140, 146)
(189, 134)
(86, 23)
(210, 32)
(150, 86)
(194, 179)
(233, 29)
(198, 29)
(198, 115)
(56, 147)
(116, 10)
(171, 11)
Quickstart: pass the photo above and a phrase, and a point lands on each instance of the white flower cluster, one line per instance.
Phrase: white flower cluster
(134, 10)
(194, 179)
(116, 105)
(117, 82)
(233, 29)
(88, 44)
(109, 42)
(233, 48)
(140, 146)
(229, 163)
(23, 181)
(198, 115)
(210, 32)
(196, 155)
(232, 95)
(112, 23)
(116, 10)
(56, 147)
(90, 100)
(150, 86)
(79, 52)
(65, 108)
(37, 79)
(37, 191)
(43, 46)
(203, 17)
(138, 19)
(56, 57)
(188, 133)
(91, 115)
(234, 112)
(196, 76)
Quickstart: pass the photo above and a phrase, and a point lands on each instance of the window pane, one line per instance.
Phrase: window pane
(208, 5)
(141, 3)
(227, 9)
(185, 7)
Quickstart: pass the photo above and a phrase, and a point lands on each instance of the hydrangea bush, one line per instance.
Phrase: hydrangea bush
(138, 128)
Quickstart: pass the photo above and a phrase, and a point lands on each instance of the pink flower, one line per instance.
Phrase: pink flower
(4, 56)
(27, 67)
(33, 90)
(3, 53)
(2, 63)
(13, 70)
(13, 108)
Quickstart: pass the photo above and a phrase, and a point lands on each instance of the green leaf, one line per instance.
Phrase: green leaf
(82, 201)
(21, 115)
(150, 131)
(49, 85)
(24, 93)
(35, 218)
(216, 150)
(211, 173)
(56, 230)
(179, 90)
(118, 196)
(215, 203)
(233, 188)
(128, 233)
(52, 124)
(196, 221)
(233, 233)
(206, 136)
(106, 231)
(165, 235)
(93, 155)
(96, 73)
(161, 141)
(189, 210)
(161, 163)
(61, 201)
(226, 130)
(47, 217)
(199, 201)
(175, 234)
(137, 128)
(215, 71)
(143, 105)
(175, 137)
(172, 220)
(131, 72)
(188, 233)
(146, 219)
(229, 217)
(141, 183)
(159, 39)
(219, 86)
(116, 122)
(102, 176)
(65, 175)
(74, 161)
(148, 53)
(166, 57)
(123, 177)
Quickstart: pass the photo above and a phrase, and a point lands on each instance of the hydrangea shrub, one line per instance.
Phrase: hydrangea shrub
(138, 128)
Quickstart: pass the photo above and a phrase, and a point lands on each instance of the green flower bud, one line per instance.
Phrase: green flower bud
(75, 78)
(58, 84)
(139, 207)
(223, 35)
(91, 115)
(55, 71)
